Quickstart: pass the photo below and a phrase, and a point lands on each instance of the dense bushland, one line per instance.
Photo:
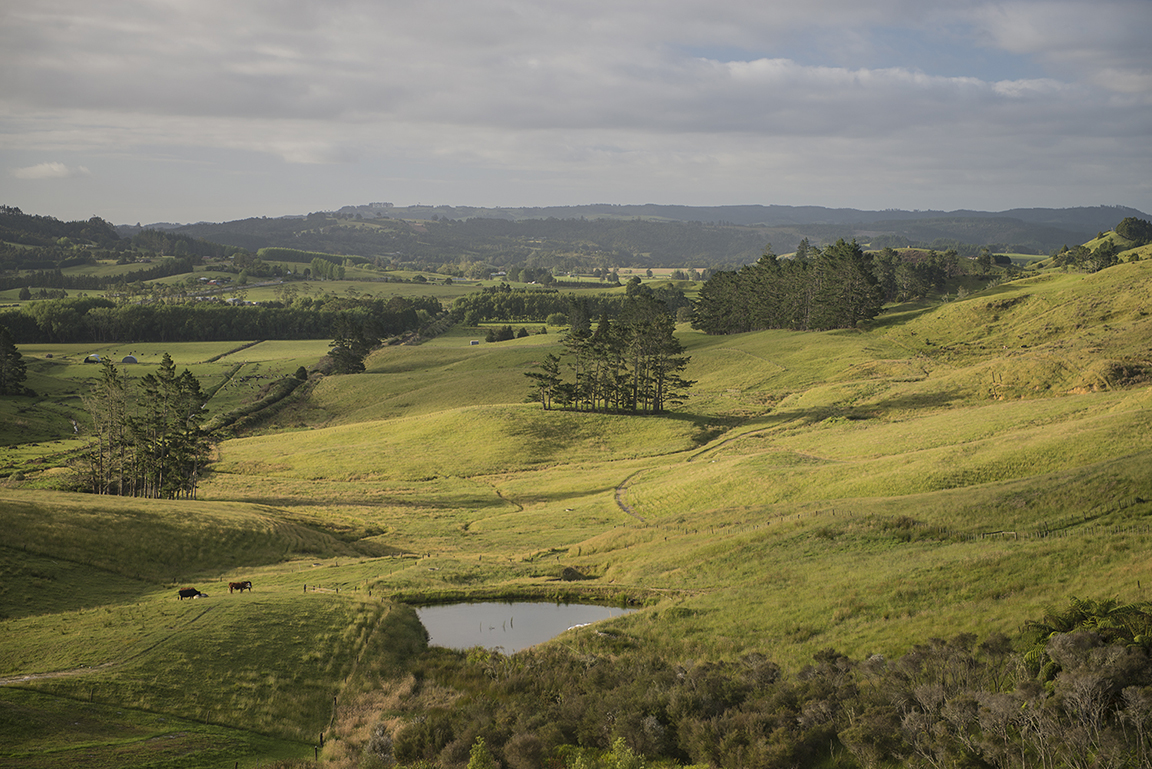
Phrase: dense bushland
(958, 703)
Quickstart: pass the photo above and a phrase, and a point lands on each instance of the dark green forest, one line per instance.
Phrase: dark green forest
(103, 320)
(836, 288)
(469, 242)
(504, 303)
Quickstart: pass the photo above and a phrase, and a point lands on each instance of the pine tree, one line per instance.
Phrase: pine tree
(13, 371)
(547, 380)
(105, 462)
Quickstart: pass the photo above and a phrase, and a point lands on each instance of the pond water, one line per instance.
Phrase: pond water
(507, 627)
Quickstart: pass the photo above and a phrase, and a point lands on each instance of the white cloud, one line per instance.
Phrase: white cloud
(50, 171)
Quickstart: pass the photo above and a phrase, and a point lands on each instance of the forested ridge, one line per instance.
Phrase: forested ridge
(462, 239)
(35, 250)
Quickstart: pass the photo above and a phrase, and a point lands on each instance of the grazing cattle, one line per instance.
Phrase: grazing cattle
(241, 586)
(190, 592)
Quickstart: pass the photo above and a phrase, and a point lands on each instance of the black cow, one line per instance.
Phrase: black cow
(190, 592)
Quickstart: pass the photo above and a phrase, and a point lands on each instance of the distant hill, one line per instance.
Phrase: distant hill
(1094, 218)
(653, 235)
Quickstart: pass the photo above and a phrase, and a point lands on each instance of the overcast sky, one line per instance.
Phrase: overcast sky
(188, 110)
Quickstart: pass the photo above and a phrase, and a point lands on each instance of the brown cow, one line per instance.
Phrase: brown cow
(241, 586)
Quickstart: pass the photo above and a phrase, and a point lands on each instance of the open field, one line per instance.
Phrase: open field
(231, 373)
(956, 468)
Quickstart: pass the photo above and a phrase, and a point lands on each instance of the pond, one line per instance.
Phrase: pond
(507, 627)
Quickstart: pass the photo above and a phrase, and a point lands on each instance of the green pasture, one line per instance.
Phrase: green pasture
(955, 467)
(44, 428)
(109, 267)
(43, 731)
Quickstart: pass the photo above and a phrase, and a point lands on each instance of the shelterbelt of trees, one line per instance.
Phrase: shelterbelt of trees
(504, 303)
(842, 285)
(102, 320)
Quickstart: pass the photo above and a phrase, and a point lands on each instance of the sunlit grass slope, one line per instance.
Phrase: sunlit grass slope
(155, 541)
(457, 442)
(954, 468)
(1020, 409)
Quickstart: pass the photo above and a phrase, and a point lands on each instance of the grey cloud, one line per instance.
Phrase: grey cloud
(650, 87)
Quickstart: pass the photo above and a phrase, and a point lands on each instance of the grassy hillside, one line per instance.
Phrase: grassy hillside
(957, 467)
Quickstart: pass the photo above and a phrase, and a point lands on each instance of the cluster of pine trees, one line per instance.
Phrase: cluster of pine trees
(835, 288)
(632, 364)
(146, 440)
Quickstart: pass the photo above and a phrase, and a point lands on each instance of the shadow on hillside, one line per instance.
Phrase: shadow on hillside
(901, 314)
(867, 411)
(937, 399)
(559, 497)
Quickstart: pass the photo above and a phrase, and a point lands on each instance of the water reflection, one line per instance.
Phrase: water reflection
(507, 627)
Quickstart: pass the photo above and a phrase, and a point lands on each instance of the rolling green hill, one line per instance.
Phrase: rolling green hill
(958, 467)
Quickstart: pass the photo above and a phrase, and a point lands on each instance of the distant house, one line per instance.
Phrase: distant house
(129, 359)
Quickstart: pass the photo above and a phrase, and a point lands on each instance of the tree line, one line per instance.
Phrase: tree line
(504, 303)
(839, 286)
(630, 364)
(99, 320)
(147, 439)
(1085, 700)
